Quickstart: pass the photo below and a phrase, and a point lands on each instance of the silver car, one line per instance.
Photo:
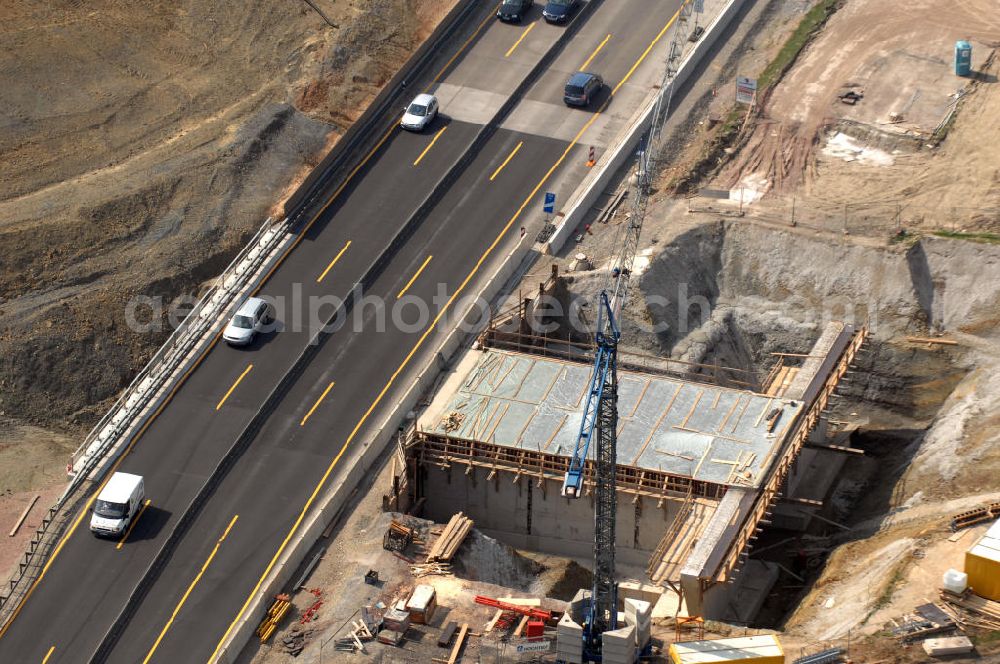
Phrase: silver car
(420, 113)
(252, 316)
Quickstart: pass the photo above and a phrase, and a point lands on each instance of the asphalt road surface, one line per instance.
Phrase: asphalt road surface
(306, 444)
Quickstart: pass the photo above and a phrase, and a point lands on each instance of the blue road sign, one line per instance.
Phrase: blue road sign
(550, 202)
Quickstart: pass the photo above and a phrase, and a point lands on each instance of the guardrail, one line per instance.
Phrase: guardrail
(137, 404)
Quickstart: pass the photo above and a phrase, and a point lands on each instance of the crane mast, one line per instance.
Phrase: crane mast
(600, 417)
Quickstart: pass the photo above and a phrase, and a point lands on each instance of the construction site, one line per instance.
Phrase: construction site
(743, 410)
(691, 492)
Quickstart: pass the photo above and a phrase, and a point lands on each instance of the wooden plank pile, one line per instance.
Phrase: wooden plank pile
(450, 540)
(973, 610)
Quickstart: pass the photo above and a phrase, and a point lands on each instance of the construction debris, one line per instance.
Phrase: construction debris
(295, 641)
(972, 610)
(452, 421)
(451, 538)
(430, 569)
(280, 607)
(928, 619)
(397, 537)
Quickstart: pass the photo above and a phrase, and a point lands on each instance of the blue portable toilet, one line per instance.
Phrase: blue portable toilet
(963, 58)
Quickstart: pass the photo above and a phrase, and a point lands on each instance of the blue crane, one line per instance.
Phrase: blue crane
(600, 415)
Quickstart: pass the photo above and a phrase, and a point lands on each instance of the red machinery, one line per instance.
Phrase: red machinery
(536, 617)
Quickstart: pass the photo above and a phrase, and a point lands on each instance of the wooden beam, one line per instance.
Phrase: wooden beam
(24, 515)
(459, 640)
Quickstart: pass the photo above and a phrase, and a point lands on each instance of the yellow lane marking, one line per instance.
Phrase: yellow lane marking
(410, 282)
(180, 604)
(242, 376)
(506, 161)
(48, 654)
(333, 262)
(316, 405)
(132, 525)
(519, 40)
(594, 54)
(350, 177)
(428, 148)
(413, 351)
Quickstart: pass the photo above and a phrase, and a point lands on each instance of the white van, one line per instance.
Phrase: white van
(118, 503)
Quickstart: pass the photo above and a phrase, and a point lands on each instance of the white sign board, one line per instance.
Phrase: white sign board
(745, 89)
(534, 646)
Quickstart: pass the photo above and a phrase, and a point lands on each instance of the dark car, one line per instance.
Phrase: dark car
(581, 88)
(514, 10)
(558, 11)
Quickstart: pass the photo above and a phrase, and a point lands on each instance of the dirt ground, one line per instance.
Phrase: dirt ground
(140, 146)
(810, 147)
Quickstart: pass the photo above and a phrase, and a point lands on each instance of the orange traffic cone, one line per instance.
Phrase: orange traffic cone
(592, 159)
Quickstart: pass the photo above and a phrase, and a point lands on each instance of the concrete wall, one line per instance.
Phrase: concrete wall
(559, 526)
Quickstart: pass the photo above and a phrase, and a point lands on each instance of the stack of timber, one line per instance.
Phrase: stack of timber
(974, 610)
(451, 539)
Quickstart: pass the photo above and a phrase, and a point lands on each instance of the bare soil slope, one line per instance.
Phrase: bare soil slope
(140, 145)
(143, 144)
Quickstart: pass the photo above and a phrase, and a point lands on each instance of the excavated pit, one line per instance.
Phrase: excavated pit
(736, 294)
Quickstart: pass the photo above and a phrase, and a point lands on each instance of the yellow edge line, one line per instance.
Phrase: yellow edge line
(410, 282)
(416, 347)
(177, 609)
(340, 189)
(48, 654)
(430, 145)
(649, 48)
(489, 17)
(132, 525)
(594, 54)
(519, 40)
(316, 405)
(333, 262)
(242, 376)
(506, 161)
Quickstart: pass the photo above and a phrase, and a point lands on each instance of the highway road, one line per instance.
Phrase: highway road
(307, 442)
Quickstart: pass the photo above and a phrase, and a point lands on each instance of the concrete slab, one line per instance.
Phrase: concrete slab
(696, 430)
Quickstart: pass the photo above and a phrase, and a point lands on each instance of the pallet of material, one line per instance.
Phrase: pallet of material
(446, 546)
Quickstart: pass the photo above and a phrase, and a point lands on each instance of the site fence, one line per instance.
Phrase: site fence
(136, 403)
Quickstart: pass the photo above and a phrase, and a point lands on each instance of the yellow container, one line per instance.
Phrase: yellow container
(982, 564)
(764, 649)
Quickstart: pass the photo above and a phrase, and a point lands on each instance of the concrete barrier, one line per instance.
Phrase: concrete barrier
(623, 149)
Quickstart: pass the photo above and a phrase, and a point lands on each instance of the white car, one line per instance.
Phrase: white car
(252, 316)
(420, 113)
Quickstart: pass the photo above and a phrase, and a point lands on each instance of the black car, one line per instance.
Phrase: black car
(514, 10)
(558, 11)
(581, 88)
